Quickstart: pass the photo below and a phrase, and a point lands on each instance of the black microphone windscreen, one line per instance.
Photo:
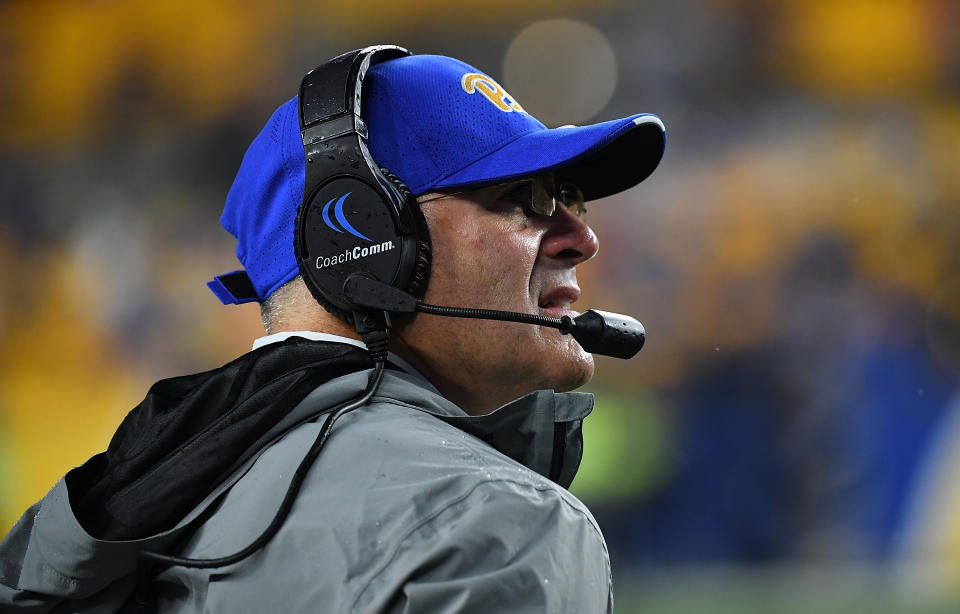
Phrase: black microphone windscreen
(610, 334)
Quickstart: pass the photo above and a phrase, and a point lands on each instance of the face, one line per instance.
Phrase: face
(488, 252)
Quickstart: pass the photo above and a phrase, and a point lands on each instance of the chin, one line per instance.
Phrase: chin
(570, 367)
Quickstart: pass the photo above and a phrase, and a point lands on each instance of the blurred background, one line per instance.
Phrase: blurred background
(789, 439)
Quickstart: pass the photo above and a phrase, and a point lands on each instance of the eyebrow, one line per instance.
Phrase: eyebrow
(498, 188)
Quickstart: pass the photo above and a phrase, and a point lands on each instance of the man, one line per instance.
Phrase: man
(445, 491)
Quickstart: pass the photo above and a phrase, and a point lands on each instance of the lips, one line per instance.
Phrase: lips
(555, 304)
(557, 301)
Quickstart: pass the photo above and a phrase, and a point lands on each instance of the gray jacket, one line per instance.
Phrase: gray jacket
(413, 506)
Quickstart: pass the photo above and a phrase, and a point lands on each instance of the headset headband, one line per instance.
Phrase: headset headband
(330, 97)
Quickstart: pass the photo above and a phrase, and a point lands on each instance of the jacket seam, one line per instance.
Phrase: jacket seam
(73, 582)
(423, 410)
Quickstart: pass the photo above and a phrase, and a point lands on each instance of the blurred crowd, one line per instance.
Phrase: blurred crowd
(795, 259)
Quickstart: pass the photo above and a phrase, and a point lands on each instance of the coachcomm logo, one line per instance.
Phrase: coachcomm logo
(338, 212)
(351, 254)
(354, 254)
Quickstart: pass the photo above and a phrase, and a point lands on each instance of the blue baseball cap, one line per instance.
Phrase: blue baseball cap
(438, 124)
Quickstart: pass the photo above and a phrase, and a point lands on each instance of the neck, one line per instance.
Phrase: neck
(457, 380)
(450, 382)
(314, 318)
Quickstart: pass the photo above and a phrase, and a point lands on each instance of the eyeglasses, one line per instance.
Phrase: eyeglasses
(538, 196)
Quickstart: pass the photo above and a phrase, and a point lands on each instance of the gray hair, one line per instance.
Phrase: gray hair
(283, 303)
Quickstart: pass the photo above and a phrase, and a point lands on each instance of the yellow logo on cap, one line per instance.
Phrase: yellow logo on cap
(491, 90)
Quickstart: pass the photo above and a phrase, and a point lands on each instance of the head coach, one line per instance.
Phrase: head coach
(395, 442)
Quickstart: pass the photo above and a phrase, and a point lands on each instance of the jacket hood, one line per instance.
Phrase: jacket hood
(178, 452)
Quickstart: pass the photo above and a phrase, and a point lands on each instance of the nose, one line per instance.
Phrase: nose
(569, 238)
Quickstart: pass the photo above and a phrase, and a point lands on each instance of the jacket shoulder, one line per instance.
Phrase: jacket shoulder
(398, 442)
(493, 534)
(395, 491)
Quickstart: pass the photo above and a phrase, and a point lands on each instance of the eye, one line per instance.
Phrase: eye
(518, 194)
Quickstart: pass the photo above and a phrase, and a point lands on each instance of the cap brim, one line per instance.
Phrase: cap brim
(602, 159)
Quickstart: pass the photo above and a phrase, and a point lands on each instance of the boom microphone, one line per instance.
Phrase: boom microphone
(598, 332)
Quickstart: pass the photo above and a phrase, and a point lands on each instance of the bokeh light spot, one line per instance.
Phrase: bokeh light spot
(562, 71)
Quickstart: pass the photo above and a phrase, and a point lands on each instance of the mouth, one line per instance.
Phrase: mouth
(555, 305)
(558, 302)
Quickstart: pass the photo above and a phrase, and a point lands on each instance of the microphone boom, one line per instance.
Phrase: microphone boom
(598, 332)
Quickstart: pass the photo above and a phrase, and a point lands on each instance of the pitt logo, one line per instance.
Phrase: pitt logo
(491, 90)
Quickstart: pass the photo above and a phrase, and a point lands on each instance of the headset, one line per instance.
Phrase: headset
(363, 249)
(356, 219)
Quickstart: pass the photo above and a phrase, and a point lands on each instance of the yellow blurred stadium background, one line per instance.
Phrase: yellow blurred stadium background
(796, 129)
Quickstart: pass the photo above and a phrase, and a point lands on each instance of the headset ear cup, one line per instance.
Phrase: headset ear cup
(407, 228)
(346, 316)
(420, 276)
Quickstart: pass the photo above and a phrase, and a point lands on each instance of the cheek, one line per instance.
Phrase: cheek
(490, 259)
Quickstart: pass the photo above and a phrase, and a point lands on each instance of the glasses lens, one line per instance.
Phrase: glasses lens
(571, 197)
(540, 196)
(542, 201)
